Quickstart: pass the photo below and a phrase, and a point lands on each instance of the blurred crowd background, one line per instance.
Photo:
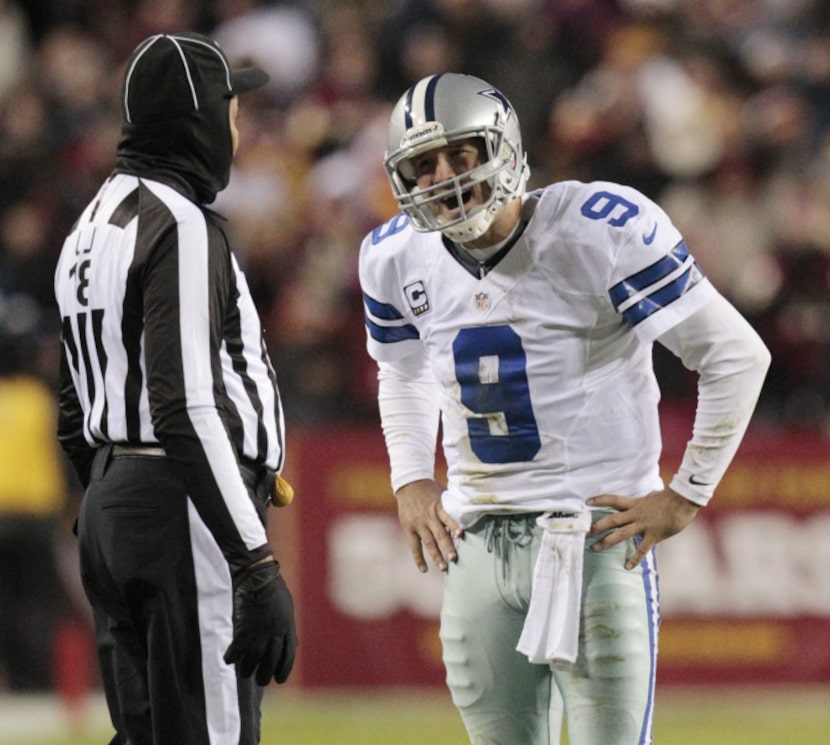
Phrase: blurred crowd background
(717, 109)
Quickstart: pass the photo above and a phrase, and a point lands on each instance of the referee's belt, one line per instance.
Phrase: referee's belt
(138, 451)
(256, 477)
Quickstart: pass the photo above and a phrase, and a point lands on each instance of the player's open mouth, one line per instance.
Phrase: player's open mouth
(452, 203)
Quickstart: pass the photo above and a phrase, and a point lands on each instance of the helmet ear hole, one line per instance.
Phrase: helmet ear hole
(406, 170)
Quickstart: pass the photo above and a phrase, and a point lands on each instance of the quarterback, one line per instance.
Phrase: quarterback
(522, 323)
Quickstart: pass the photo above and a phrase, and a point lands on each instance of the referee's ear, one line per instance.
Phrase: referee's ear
(233, 113)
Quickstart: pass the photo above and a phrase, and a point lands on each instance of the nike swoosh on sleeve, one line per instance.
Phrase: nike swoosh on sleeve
(649, 239)
(695, 482)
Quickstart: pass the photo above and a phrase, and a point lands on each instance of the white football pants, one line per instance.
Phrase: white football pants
(606, 696)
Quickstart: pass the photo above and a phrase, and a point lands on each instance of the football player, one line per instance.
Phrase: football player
(523, 322)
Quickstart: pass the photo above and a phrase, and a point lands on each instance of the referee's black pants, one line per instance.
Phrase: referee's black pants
(161, 593)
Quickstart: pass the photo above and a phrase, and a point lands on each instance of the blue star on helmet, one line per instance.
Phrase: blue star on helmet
(499, 98)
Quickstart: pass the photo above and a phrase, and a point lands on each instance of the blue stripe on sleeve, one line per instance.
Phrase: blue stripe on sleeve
(664, 296)
(384, 311)
(391, 334)
(630, 286)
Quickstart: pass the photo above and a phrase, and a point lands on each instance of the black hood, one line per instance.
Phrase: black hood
(175, 101)
(191, 152)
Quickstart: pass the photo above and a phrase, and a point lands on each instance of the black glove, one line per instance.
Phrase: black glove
(264, 634)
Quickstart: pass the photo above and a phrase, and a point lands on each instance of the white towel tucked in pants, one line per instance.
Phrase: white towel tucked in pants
(551, 629)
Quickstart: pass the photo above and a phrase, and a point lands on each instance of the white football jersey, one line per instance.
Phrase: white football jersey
(543, 360)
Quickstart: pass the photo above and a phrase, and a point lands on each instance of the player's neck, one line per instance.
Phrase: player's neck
(500, 233)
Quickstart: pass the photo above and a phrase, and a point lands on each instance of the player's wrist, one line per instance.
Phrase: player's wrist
(689, 493)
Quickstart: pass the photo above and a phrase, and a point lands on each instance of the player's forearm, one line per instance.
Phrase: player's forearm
(732, 362)
(409, 418)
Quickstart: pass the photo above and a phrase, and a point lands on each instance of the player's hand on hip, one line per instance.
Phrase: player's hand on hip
(264, 633)
(655, 517)
(426, 524)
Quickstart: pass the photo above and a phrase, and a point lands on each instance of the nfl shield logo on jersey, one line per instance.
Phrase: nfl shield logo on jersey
(482, 301)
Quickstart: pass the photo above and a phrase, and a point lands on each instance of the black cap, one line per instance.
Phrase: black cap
(170, 75)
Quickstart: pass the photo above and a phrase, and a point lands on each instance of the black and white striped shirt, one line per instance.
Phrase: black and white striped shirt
(162, 344)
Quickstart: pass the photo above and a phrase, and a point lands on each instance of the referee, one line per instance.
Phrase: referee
(170, 413)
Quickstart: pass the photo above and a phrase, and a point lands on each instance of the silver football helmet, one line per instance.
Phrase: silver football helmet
(434, 112)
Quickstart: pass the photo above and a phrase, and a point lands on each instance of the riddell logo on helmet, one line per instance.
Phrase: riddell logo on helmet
(422, 133)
